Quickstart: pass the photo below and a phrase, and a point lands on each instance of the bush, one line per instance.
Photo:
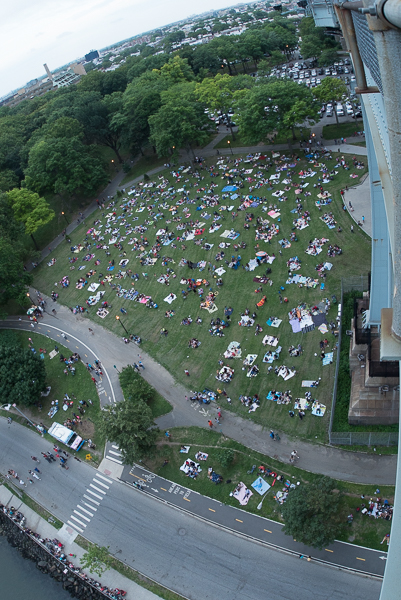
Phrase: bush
(225, 457)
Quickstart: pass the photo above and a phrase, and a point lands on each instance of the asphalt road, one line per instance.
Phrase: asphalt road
(196, 559)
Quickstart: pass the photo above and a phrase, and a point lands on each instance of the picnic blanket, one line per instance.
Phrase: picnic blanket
(170, 298)
(260, 486)
(308, 383)
(242, 494)
(318, 409)
(328, 358)
(270, 340)
(233, 350)
(273, 322)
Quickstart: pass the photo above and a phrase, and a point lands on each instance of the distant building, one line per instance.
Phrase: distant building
(65, 78)
(91, 55)
(50, 76)
(78, 68)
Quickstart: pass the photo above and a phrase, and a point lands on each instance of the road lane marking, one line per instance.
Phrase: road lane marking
(212, 510)
(120, 462)
(97, 489)
(96, 495)
(84, 509)
(75, 526)
(357, 558)
(91, 499)
(89, 505)
(239, 520)
(164, 489)
(78, 521)
(104, 478)
(188, 500)
(327, 550)
(116, 447)
(102, 484)
(82, 516)
(268, 530)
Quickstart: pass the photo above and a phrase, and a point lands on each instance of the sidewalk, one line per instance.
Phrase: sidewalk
(67, 535)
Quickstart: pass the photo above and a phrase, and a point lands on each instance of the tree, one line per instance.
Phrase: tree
(64, 166)
(218, 93)
(22, 376)
(273, 106)
(97, 559)
(301, 111)
(129, 423)
(30, 209)
(311, 513)
(327, 57)
(13, 279)
(180, 122)
(330, 90)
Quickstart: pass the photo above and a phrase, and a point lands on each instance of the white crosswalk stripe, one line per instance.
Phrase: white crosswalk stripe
(97, 479)
(82, 516)
(75, 526)
(84, 510)
(120, 462)
(78, 521)
(115, 453)
(102, 484)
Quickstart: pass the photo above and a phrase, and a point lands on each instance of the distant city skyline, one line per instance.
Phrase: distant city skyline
(34, 33)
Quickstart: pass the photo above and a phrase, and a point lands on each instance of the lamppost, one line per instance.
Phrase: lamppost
(121, 323)
(28, 295)
(65, 217)
(229, 145)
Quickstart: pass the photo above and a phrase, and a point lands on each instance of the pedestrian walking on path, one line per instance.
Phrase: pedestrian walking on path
(294, 456)
(141, 365)
(210, 423)
(91, 331)
(186, 372)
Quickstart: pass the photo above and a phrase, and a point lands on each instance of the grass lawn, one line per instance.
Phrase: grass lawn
(343, 130)
(282, 138)
(238, 290)
(364, 531)
(143, 165)
(79, 385)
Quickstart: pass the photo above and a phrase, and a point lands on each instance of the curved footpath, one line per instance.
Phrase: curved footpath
(111, 350)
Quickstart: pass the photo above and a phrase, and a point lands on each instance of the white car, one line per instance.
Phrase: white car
(350, 110)
(318, 81)
(313, 73)
(353, 78)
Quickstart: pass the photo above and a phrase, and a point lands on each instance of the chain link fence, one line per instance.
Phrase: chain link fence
(364, 438)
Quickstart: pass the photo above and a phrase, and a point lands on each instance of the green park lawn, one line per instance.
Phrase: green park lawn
(345, 130)
(238, 292)
(80, 385)
(283, 137)
(364, 531)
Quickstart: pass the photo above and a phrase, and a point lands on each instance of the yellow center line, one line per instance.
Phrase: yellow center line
(164, 489)
(239, 520)
(327, 550)
(187, 500)
(76, 346)
(138, 477)
(268, 530)
(357, 558)
(212, 510)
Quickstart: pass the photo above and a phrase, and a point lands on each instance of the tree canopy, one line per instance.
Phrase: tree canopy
(22, 376)
(311, 513)
(130, 422)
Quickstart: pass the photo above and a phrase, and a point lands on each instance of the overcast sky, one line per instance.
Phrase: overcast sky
(34, 32)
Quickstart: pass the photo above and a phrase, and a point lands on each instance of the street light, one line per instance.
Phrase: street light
(229, 145)
(31, 299)
(65, 217)
(119, 320)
